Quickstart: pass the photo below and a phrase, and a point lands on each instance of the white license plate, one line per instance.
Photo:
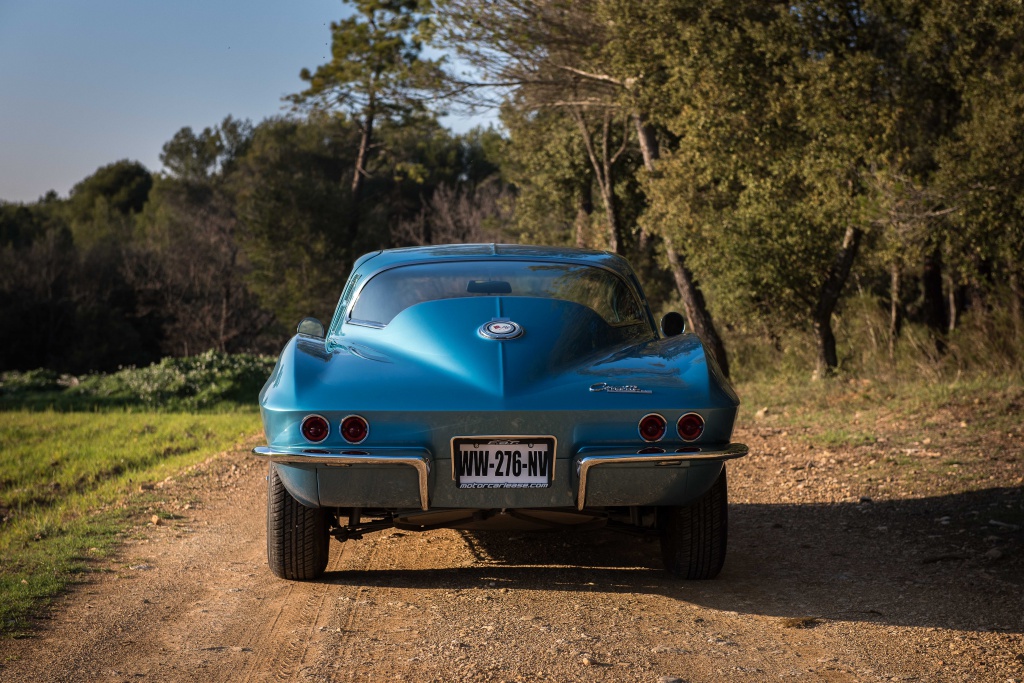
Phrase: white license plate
(489, 462)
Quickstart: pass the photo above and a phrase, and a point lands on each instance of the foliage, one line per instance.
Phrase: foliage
(68, 309)
(981, 346)
(100, 207)
(755, 158)
(545, 160)
(376, 78)
(375, 68)
(186, 263)
(212, 380)
(290, 207)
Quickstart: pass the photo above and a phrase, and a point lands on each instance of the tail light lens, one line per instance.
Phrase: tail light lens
(652, 427)
(690, 427)
(354, 429)
(315, 428)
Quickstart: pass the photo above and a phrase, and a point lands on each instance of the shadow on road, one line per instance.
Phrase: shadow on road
(953, 561)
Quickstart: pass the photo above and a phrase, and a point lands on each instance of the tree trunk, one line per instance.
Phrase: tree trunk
(615, 238)
(584, 209)
(895, 309)
(650, 150)
(698, 317)
(828, 298)
(611, 219)
(649, 146)
(604, 174)
(827, 361)
(365, 140)
(1017, 307)
(935, 306)
(956, 297)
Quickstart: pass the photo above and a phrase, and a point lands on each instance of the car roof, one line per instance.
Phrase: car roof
(374, 262)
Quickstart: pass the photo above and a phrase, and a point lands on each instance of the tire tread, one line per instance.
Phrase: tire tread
(297, 536)
(694, 537)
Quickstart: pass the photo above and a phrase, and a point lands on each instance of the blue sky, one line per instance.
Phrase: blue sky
(83, 84)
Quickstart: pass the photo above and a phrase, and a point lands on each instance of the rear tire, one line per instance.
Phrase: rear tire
(693, 537)
(297, 536)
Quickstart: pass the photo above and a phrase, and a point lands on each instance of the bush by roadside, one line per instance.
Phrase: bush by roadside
(208, 381)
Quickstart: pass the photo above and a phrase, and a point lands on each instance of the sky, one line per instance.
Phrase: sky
(85, 84)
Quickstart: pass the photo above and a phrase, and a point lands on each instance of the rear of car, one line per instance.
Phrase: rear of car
(489, 387)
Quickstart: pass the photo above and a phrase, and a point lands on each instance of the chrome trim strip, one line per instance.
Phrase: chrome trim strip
(336, 457)
(366, 323)
(584, 462)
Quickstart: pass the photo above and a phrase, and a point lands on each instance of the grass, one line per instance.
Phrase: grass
(71, 483)
(918, 435)
(860, 411)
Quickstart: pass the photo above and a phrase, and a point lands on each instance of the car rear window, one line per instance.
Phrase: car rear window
(389, 293)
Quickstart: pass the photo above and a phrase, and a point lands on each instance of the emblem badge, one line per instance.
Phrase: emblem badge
(501, 328)
(626, 389)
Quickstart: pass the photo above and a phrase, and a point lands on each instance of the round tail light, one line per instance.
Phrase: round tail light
(652, 427)
(690, 427)
(315, 428)
(354, 429)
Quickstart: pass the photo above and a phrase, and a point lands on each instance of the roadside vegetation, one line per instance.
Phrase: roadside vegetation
(917, 423)
(934, 437)
(81, 459)
(212, 381)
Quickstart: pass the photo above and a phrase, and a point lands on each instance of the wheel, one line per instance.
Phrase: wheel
(297, 536)
(693, 537)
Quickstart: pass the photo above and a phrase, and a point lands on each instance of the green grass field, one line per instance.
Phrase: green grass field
(71, 482)
(859, 411)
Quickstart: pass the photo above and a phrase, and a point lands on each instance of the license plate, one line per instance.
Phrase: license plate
(489, 462)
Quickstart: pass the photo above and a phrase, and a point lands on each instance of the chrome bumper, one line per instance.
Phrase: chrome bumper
(336, 457)
(588, 458)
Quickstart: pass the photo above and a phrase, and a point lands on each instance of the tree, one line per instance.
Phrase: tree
(463, 215)
(568, 55)
(545, 55)
(189, 272)
(195, 158)
(982, 169)
(545, 160)
(101, 206)
(187, 267)
(784, 115)
(375, 75)
(289, 204)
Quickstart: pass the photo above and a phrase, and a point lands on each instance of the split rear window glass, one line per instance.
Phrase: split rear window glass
(392, 291)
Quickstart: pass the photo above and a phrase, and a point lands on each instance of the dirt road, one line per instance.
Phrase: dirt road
(818, 585)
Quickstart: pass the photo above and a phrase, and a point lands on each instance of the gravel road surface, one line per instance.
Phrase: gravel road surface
(830, 576)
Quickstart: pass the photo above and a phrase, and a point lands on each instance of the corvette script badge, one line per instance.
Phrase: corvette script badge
(625, 389)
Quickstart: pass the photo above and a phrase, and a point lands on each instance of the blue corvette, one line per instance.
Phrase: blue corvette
(495, 387)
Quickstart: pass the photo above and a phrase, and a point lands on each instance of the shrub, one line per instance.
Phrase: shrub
(191, 383)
